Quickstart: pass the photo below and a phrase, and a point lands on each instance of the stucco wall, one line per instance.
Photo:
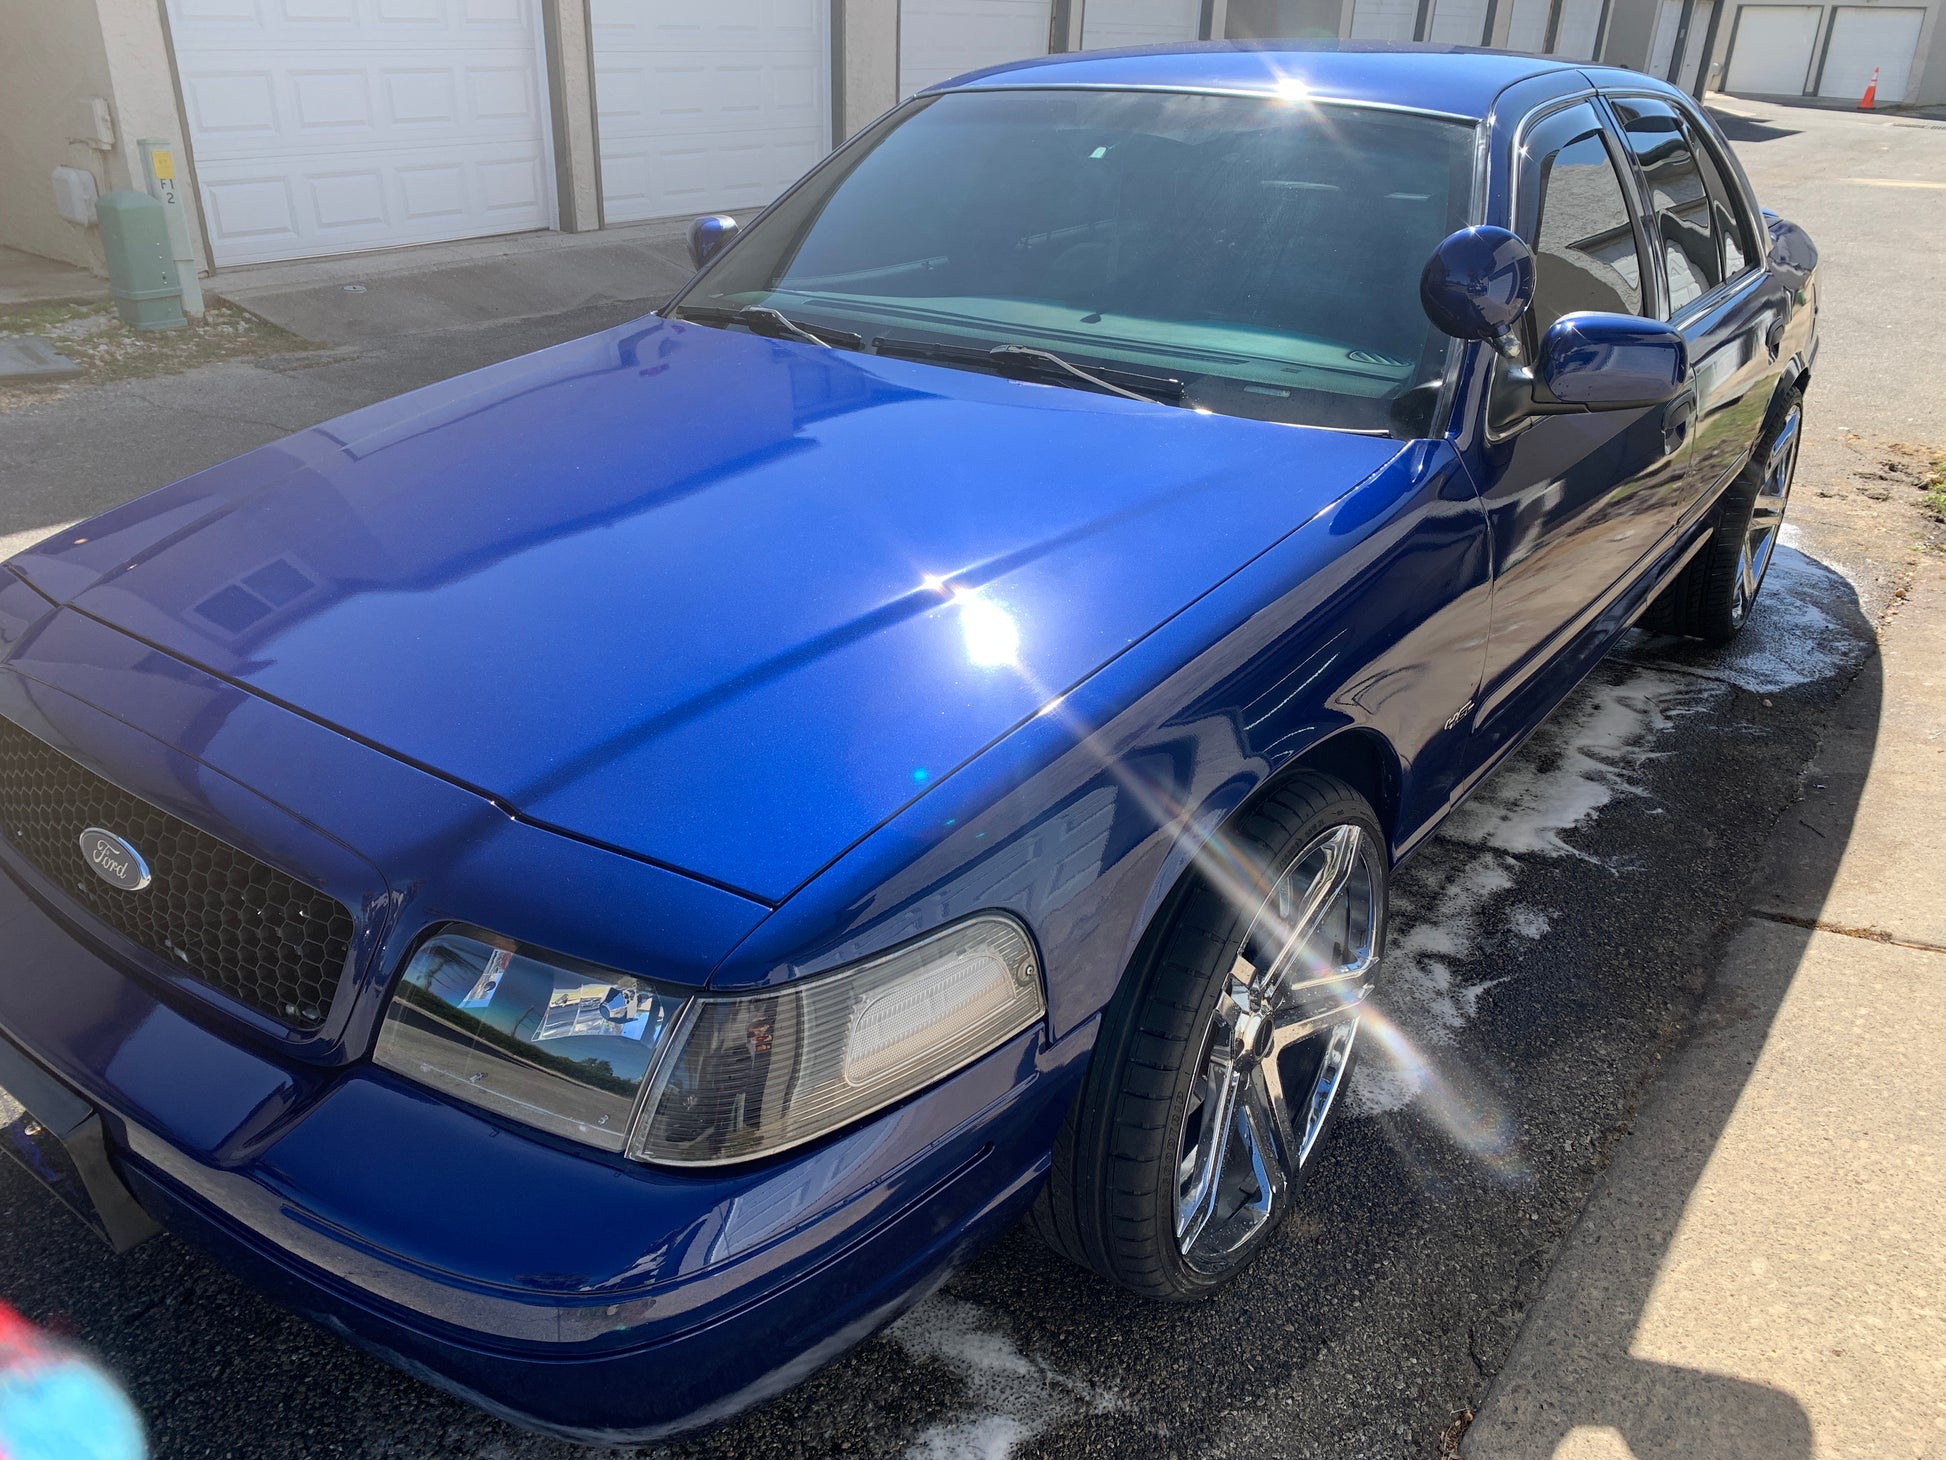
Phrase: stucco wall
(54, 55)
(144, 95)
(866, 39)
(51, 60)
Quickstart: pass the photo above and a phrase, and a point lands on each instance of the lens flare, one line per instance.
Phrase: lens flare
(992, 639)
(1469, 1115)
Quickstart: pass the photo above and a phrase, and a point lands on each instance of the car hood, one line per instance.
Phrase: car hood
(721, 601)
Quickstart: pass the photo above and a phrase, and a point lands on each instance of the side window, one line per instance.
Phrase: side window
(1684, 227)
(1575, 216)
(1732, 231)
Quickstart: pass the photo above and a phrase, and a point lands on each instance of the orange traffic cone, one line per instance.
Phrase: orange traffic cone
(1870, 99)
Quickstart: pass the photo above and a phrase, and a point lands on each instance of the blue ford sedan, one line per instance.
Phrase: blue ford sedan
(602, 880)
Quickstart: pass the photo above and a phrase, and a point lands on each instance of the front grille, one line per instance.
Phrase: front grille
(245, 929)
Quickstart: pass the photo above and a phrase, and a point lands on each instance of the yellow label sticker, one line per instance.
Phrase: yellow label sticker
(164, 163)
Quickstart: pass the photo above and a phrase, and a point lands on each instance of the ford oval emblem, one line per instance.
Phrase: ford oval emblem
(114, 860)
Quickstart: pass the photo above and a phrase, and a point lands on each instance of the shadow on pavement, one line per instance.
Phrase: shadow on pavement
(1579, 1371)
(1748, 129)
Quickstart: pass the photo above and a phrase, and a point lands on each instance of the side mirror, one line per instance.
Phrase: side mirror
(1611, 361)
(1477, 285)
(709, 235)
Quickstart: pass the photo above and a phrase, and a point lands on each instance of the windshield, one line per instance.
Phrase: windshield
(1247, 256)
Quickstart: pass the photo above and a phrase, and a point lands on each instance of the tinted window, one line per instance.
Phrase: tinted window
(1678, 197)
(1577, 221)
(1265, 253)
(1727, 216)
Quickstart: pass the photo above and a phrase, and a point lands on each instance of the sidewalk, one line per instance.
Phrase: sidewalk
(1761, 1274)
(27, 279)
(387, 293)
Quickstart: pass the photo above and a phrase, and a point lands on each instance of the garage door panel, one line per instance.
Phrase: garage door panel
(1862, 40)
(1578, 33)
(1771, 52)
(1527, 26)
(432, 192)
(420, 98)
(941, 39)
(293, 207)
(245, 209)
(1109, 23)
(701, 174)
(341, 99)
(226, 104)
(349, 200)
(326, 125)
(708, 106)
(1384, 20)
(1458, 22)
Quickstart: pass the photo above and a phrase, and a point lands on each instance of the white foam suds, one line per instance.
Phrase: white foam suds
(1795, 635)
(1529, 922)
(1009, 1396)
(1591, 752)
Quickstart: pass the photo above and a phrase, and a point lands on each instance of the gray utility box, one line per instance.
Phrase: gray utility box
(142, 278)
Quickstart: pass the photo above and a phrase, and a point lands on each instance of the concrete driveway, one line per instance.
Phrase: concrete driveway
(1550, 948)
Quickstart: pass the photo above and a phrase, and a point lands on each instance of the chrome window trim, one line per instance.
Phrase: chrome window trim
(1758, 238)
(1253, 93)
(1647, 262)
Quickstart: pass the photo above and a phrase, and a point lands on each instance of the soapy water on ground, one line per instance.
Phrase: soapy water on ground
(1590, 752)
(1010, 1396)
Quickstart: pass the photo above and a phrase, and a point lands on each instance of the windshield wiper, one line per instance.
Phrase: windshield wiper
(774, 322)
(1154, 389)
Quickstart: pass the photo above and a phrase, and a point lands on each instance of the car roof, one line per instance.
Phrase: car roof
(1459, 81)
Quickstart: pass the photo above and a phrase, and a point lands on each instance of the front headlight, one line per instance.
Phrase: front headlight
(563, 1046)
(704, 1080)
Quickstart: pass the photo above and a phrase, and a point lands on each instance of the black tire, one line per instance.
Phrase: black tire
(1712, 598)
(1115, 1197)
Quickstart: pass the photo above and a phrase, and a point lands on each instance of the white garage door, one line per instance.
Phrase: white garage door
(1458, 23)
(1770, 54)
(1384, 20)
(1578, 34)
(1106, 23)
(941, 39)
(1527, 25)
(708, 105)
(323, 126)
(1865, 40)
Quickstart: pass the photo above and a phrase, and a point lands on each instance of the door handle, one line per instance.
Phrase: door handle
(1774, 337)
(1675, 426)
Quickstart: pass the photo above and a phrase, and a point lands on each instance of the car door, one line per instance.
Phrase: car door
(1575, 500)
(1717, 292)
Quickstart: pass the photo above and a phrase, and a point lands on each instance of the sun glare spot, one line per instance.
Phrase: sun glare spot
(991, 637)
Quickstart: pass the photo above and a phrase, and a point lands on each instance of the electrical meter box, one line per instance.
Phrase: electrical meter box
(74, 195)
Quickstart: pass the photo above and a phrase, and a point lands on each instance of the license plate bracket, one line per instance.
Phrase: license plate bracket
(57, 1136)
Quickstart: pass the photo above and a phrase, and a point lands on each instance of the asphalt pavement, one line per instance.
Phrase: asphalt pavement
(1548, 950)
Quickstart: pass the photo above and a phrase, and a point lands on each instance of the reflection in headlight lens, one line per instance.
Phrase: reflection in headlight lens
(560, 1045)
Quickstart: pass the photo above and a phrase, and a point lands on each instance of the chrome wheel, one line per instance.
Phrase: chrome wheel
(1766, 515)
(1277, 1046)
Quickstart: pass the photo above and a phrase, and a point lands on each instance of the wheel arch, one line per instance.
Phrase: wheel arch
(1357, 755)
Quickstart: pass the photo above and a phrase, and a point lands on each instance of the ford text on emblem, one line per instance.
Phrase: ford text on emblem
(114, 860)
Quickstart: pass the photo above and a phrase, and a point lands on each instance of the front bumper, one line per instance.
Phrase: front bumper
(572, 1292)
